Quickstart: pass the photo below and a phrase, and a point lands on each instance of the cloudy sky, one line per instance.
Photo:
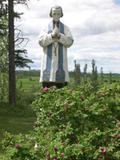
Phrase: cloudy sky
(95, 26)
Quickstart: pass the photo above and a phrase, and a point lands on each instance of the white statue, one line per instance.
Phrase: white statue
(55, 40)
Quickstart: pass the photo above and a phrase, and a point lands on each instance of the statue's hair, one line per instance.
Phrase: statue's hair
(56, 7)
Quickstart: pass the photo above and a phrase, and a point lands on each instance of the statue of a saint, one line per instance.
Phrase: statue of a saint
(55, 40)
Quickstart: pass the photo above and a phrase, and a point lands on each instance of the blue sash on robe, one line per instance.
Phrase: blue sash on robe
(60, 73)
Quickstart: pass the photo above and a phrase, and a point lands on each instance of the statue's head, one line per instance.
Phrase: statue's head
(56, 12)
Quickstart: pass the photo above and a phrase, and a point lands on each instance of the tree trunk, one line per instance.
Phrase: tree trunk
(12, 78)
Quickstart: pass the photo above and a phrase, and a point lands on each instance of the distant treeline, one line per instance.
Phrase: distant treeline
(71, 73)
(27, 73)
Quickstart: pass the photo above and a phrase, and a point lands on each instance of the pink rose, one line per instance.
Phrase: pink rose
(17, 146)
(55, 148)
(55, 158)
(117, 136)
(45, 89)
(104, 151)
(62, 154)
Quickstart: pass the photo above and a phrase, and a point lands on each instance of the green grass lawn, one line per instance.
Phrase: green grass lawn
(28, 84)
(18, 119)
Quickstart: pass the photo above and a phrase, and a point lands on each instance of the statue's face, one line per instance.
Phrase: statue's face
(56, 14)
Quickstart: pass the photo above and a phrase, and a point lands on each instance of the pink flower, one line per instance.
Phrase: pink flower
(62, 154)
(104, 151)
(55, 148)
(117, 136)
(17, 146)
(55, 158)
(45, 89)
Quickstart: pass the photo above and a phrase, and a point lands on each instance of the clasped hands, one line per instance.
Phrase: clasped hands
(55, 34)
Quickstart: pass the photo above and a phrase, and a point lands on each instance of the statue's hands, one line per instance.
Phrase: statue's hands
(56, 34)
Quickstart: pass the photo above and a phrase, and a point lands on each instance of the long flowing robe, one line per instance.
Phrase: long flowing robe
(54, 64)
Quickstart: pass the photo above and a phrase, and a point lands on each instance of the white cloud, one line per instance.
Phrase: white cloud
(94, 24)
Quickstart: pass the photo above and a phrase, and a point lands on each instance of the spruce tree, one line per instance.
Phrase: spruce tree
(94, 76)
(101, 75)
(85, 73)
(77, 72)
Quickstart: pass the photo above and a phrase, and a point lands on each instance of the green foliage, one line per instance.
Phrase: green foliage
(22, 150)
(20, 60)
(3, 62)
(3, 87)
(3, 37)
(3, 53)
(3, 15)
(75, 124)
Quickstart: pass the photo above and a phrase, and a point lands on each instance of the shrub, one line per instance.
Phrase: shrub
(77, 123)
(81, 119)
(19, 147)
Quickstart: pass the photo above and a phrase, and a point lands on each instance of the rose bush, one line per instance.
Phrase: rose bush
(76, 124)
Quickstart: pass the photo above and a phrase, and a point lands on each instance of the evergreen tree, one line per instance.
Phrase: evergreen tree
(85, 73)
(93, 66)
(94, 76)
(101, 75)
(21, 61)
(77, 73)
(96, 73)
(110, 77)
